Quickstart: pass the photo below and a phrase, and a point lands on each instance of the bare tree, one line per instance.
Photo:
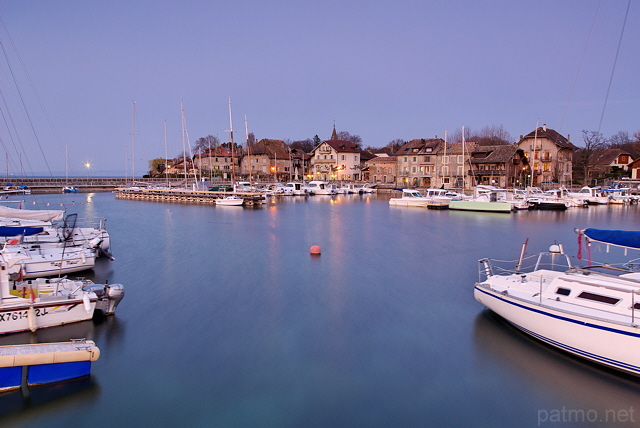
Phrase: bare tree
(492, 135)
(593, 141)
(305, 145)
(394, 145)
(204, 143)
(355, 139)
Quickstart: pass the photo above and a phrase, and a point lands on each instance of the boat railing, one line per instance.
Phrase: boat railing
(547, 260)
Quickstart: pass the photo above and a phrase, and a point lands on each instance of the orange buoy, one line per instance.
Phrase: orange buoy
(315, 250)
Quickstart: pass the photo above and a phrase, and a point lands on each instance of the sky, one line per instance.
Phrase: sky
(383, 70)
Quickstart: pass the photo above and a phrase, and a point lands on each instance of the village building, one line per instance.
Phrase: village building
(608, 163)
(416, 162)
(268, 160)
(550, 156)
(381, 169)
(453, 166)
(335, 159)
(498, 165)
(218, 163)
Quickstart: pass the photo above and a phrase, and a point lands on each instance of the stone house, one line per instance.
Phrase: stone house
(382, 169)
(498, 165)
(416, 162)
(453, 166)
(267, 160)
(550, 156)
(218, 163)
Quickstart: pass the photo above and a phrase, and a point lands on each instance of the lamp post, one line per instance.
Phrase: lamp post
(88, 166)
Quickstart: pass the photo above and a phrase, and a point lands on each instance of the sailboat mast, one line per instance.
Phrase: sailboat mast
(533, 165)
(184, 150)
(233, 173)
(463, 174)
(246, 131)
(166, 157)
(133, 138)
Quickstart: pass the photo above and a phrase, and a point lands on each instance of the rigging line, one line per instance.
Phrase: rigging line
(24, 106)
(615, 60)
(33, 88)
(584, 52)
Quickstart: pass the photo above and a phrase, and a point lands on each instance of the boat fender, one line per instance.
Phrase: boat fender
(31, 316)
(86, 302)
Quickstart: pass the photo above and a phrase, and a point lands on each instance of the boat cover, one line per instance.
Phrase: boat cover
(42, 215)
(622, 238)
(19, 230)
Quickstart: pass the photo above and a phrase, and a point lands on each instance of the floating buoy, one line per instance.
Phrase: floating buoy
(315, 250)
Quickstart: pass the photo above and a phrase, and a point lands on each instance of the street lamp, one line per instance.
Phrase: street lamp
(88, 166)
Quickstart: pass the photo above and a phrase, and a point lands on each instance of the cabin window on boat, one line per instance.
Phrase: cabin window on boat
(598, 298)
(636, 306)
(563, 291)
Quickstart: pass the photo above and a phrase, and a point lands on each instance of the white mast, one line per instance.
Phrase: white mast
(184, 151)
(246, 131)
(166, 157)
(133, 128)
(233, 174)
(533, 156)
(463, 174)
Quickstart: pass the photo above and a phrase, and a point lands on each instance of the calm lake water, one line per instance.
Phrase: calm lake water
(227, 321)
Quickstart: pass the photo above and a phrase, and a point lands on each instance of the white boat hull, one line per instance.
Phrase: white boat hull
(611, 344)
(24, 316)
(409, 202)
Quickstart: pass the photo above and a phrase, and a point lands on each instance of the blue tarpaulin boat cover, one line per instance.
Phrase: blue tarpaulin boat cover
(623, 238)
(19, 230)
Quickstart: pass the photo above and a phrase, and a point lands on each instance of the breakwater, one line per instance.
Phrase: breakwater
(89, 184)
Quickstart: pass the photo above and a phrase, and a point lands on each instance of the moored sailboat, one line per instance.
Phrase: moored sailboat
(582, 310)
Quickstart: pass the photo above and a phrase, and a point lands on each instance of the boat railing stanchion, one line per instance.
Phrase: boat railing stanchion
(522, 252)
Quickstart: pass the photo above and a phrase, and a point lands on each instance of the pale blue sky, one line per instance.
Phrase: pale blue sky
(380, 69)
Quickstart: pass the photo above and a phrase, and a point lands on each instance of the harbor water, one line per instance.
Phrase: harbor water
(228, 321)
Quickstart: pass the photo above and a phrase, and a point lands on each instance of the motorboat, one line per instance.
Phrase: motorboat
(41, 260)
(294, 189)
(66, 233)
(230, 201)
(70, 189)
(439, 198)
(367, 188)
(38, 303)
(410, 198)
(591, 312)
(317, 187)
(591, 195)
(486, 198)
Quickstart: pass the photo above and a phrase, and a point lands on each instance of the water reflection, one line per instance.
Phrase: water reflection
(573, 382)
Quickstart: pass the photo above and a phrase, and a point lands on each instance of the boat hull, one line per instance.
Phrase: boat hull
(408, 202)
(24, 316)
(607, 343)
(495, 207)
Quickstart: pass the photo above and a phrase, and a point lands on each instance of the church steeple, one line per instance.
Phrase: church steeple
(334, 134)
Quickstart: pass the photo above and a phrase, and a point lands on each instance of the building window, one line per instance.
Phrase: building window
(460, 159)
(445, 159)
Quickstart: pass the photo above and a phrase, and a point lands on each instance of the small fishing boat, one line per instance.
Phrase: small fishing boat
(591, 312)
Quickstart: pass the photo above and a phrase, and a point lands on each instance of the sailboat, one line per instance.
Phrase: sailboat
(67, 188)
(231, 200)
